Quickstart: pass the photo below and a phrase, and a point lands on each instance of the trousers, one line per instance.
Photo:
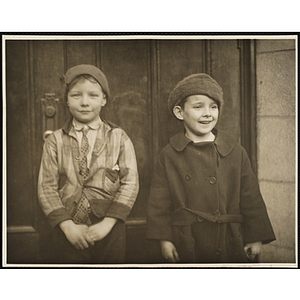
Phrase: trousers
(110, 250)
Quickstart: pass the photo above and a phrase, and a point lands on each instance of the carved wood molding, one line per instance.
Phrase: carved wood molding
(136, 222)
(21, 229)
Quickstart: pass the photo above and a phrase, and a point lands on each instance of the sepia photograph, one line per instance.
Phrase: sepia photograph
(150, 150)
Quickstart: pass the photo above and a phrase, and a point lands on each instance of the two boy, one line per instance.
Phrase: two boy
(204, 204)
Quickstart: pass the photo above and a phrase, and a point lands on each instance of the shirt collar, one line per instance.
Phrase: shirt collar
(210, 138)
(224, 142)
(68, 126)
(94, 125)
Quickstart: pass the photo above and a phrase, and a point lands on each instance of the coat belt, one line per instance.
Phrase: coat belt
(186, 216)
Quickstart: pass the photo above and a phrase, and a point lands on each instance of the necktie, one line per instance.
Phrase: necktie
(84, 171)
(82, 213)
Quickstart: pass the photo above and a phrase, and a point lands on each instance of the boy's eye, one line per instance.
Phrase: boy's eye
(75, 95)
(198, 106)
(94, 95)
(214, 107)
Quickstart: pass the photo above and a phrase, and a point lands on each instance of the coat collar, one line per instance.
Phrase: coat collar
(224, 142)
(67, 126)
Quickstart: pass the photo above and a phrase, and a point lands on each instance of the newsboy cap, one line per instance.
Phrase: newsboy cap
(196, 84)
(73, 72)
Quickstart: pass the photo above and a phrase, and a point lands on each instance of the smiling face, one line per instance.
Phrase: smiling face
(199, 114)
(85, 100)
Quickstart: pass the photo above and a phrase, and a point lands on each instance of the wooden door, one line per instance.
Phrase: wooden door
(141, 74)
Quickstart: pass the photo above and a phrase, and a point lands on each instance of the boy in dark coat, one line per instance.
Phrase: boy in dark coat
(205, 204)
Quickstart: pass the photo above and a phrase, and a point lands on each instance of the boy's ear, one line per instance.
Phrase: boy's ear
(177, 111)
(104, 100)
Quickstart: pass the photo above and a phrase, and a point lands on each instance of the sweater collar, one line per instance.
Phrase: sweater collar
(224, 142)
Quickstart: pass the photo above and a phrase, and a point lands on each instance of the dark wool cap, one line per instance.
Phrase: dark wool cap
(73, 72)
(196, 84)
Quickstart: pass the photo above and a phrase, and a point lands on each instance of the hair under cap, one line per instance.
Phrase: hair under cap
(73, 72)
(196, 84)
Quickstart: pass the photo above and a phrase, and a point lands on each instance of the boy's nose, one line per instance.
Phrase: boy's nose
(84, 100)
(207, 112)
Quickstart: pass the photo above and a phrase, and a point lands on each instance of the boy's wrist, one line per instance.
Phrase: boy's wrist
(65, 225)
(110, 221)
(164, 242)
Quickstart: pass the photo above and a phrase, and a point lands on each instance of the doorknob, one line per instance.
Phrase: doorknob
(46, 134)
(50, 117)
(50, 111)
(50, 103)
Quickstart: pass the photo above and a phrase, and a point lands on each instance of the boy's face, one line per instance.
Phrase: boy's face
(85, 101)
(199, 114)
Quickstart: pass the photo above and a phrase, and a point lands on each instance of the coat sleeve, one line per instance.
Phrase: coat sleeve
(129, 181)
(48, 196)
(159, 206)
(256, 226)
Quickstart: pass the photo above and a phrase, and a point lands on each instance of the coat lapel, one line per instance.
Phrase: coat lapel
(73, 144)
(75, 154)
(100, 143)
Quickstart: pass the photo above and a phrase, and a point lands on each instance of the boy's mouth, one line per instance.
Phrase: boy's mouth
(205, 122)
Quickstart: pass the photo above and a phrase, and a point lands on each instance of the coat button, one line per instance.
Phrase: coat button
(212, 180)
(74, 203)
(77, 157)
(199, 219)
(188, 177)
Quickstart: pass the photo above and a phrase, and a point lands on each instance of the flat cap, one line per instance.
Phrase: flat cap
(73, 72)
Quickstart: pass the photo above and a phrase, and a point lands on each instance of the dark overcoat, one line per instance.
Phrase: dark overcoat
(205, 198)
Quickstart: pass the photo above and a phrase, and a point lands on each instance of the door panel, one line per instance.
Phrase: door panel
(80, 52)
(19, 167)
(225, 68)
(126, 65)
(141, 74)
(22, 238)
(48, 67)
(175, 63)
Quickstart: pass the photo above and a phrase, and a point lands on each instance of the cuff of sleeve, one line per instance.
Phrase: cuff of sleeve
(118, 211)
(160, 233)
(58, 216)
(253, 231)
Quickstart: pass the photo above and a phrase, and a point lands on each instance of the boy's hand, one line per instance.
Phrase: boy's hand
(76, 234)
(252, 249)
(100, 230)
(169, 251)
